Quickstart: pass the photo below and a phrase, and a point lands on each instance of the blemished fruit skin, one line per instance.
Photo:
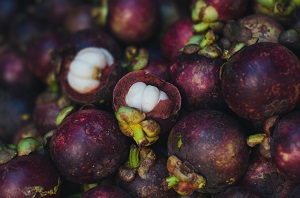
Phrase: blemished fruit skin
(261, 80)
(213, 143)
(285, 145)
(32, 175)
(88, 146)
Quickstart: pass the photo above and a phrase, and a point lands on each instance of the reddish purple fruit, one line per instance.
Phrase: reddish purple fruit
(261, 80)
(207, 152)
(88, 146)
(133, 21)
(197, 78)
(47, 107)
(176, 37)
(32, 175)
(105, 191)
(285, 147)
(262, 175)
(238, 192)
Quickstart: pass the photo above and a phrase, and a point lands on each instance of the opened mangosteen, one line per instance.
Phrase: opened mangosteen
(89, 69)
(145, 106)
(88, 146)
(207, 153)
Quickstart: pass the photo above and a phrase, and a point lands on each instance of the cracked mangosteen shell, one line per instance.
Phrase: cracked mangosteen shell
(165, 112)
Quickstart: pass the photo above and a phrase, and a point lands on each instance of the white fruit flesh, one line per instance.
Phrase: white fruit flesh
(85, 68)
(144, 97)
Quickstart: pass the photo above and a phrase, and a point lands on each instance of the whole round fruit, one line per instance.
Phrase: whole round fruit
(261, 81)
(88, 146)
(207, 143)
(285, 145)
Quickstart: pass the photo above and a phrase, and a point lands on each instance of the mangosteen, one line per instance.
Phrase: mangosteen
(238, 192)
(285, 147)
(47, 107)
(280, 10)
(143, 174)
(176, 36)
(197, 78)
(136, 23)
(261, 81)
(106, 191)
(27, 173)
(207, 153)
(263, 176)
(88, 146)
(248, 30)
(206, 13)
(145, 106)
(89, 68)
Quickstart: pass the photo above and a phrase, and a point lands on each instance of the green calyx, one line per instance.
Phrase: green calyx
(28, 145)
(63, 114)
(182, 179)
(133, 123)
(7, 152)
(136, 59)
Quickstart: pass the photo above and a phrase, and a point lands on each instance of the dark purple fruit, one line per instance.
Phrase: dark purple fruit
(261, 80)
(197, 78)
(88, 146)
(136, 23)
(47, 107)
(38, 55)
(106, 191)
(238, 192)
(143, 174)
(263, 176)
(207, 152)
(32, 175)
(285, 147)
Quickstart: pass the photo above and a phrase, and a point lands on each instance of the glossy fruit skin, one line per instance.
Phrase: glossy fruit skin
(26, 176)
(197, 78)
(213, 143)
(285, 147)
(238, 192)
(88, 146)
(176, 37)
(263, 176)
(105, 191)
(133, 21)
(261, 80)
(228, 9)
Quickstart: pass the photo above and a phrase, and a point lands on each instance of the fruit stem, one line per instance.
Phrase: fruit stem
(63, 114)
(255, 139)
(28, 145)
(172, 181)
(134, 160)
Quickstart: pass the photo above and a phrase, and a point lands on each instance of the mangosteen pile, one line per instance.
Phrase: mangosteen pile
(149, 98)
